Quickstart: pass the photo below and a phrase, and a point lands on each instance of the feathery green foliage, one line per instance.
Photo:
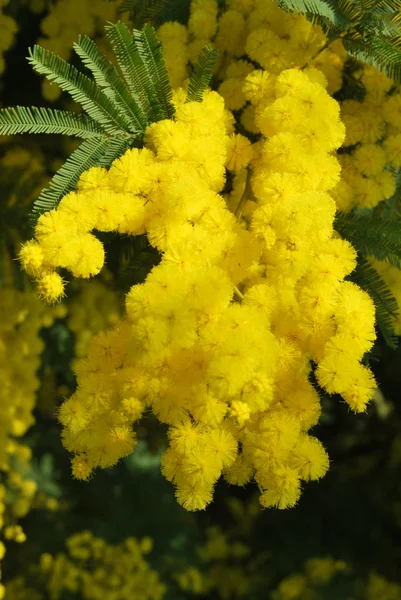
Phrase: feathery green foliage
(372, 235)
(314, 9)
(136, 75)
(107, 76)
(21, 119)
(370, 29)
(119, 108)
(82, 89)
(142, 11)
(156, 11)
(202, 74)
(386, 305)
(149, 49)
(89, 154)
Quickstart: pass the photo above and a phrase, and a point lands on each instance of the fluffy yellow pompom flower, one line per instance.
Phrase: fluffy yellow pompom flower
(284, 489)
(310, 458)
(32, 258)
(89, 256)
(50, 287)
(80, 468)
(239, 152)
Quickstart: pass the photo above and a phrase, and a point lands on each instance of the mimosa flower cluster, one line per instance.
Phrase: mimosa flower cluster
(20, 349)
(92, 307)
(313, 581)
(218, 341)
(225, 567)
(92, 569)
(268, 35)
(372, 155)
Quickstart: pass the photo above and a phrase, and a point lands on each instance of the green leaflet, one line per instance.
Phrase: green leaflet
(88, 155)
(83, 90)
(91, 153)
(312, 8)
(142, 11)
(201, 74)
(156, 11)
(136, 75)
(21, 119)
(386, 305)
(150, 51)
(372, 236)
(119, 107)
(108, 78)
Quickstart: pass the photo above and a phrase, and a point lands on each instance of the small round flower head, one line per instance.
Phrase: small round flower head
(31, 258)
(310, 458)
(231, 90)
(89, 256)
(93, 179)
(369, 159)
(50, 287)
(80, 467)
(284, 489)
(239, 152)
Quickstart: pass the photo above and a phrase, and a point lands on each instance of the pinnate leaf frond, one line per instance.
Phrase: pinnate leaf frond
(23, 119)
(202, 74)
(82, 89)
(107, 77)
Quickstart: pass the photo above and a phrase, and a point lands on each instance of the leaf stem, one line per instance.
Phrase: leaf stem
(238, 293)
(245, 194)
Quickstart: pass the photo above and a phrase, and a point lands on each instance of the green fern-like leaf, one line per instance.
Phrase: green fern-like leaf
(118, 111)
(201, 74)
(136, 75)
(386, 57)
(108, 78)
(311, 7)
(372, 236)
(143, 11)
(82, 89)
(89, 154)
(149, 49)
(22, 119)
(156, 12)
(385, 304)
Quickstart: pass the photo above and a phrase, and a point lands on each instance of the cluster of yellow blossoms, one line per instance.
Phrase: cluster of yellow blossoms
(94, 570)
(372, 145)
(92, 307)
(226, 568)
(218, 341)
(277, 40)
(273, 38)
(316, 581)
(317, 574)
(20, 349)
